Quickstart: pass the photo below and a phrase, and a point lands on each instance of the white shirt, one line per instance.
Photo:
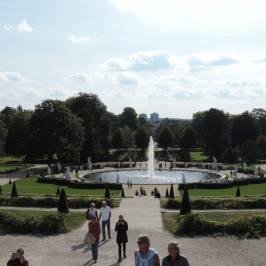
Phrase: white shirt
(105, 213)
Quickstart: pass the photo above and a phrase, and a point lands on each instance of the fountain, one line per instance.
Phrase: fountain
(150, 155)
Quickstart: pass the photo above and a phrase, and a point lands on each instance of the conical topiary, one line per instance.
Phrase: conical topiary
(10, 182)
(185, 204)
(14, 192)
(172, 194)
(167, 193)
(107, 192)
(0, 189)
(237, 191)
(122, 193)
(63, 204)
(58, 191)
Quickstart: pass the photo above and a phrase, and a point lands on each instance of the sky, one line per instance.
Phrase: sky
(173, 57)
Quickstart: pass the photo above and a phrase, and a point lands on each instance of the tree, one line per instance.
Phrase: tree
(142, 138)
(128, 118)
(243, 128)
(129, 137)
(18, 134)
(14, 192)
(250, 151)
(118, 140)
(188, 139)
(97, 123)
(230, 155)
(107, 192)
(185, 204)
(122, 193)
(260, 116)
(63, 204)
(261, 143)
(3, 135)
(165, 138)
(172, 194)
(167, 193)
(237, 191)
(7, 115)
(53, 129)
(0, 189)
(58, 191)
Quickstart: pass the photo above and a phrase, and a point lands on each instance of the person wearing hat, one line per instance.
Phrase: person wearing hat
(174, 258)
(94, 230)
(91, 212)
(146, 256)
(121, 228)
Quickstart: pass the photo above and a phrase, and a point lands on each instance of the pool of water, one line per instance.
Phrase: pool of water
(160, 176)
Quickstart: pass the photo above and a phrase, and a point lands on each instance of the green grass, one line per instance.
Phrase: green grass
(30, 187)
(247, 190)
(197, 156)
(73, 220)
(9, 159)
(4, 168)
(169, 219)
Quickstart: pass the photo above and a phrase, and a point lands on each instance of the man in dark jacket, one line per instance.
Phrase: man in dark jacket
(121, 228)
(174, 258)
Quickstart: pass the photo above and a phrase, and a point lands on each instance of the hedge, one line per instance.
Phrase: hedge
(50, 202)
(196, 224)
(207, 204)
(47, 224)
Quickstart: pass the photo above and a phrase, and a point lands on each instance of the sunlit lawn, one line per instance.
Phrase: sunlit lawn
(7, 159)
(4, 168)
(30, 186)
(197, 156)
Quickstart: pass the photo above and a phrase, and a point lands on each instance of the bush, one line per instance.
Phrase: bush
(166, 193)
(63, 204)
(58, 191)
(14, 192)
(107, 192)
(122, 193)
(237, 192)
(185, 204)
(171, 195)
(0, 189)
(47, 224)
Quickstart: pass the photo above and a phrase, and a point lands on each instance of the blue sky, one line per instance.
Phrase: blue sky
(174, 57)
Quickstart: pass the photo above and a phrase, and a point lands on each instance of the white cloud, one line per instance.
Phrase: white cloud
(80, 77)
(12, 77)
(23, 26)
(143, 61)
(128, 79)
(83, 39)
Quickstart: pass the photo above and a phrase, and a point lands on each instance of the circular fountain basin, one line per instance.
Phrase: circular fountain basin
(160, 176)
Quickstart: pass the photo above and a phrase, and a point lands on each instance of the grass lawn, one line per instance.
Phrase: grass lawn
(247, 190)
(197, 156)
(30, 187)
(4, 168)
(73, 220)
(169, 219)
(9, 159)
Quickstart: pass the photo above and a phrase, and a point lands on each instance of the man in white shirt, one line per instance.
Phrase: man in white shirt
(105, 215)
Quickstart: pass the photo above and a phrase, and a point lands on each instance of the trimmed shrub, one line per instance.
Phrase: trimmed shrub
(0, 189)
(237, 191)
(185, 205)
(172, 194)
(58, 191)
(122, 193)
(107, 192)
(14, 192)
(63, 204)
(10, 182)
(167, 193)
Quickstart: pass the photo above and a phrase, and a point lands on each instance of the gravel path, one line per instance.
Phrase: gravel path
(143, 216)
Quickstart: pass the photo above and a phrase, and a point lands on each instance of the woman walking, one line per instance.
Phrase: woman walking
(94, 230)
(121, 228)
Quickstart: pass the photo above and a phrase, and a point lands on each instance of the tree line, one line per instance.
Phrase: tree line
(81, 127)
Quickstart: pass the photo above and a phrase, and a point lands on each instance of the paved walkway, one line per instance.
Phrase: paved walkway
(143, 216)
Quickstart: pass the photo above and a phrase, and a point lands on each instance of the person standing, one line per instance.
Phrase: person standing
(105, 215)
(146, 256)
(174, 258)
(94, 230)
(91, 212)
(121, 228)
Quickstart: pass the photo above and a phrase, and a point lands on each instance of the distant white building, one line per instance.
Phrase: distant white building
(154, 118)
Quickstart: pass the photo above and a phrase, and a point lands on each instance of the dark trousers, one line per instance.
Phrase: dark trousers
(104, 223)
(94, 250)
(119, 249)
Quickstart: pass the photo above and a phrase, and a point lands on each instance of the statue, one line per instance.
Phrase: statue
(214, 164)
(235, 172)
(67, 174)
(89, 163)
(59, 167)
(130, 162)
(117, 179)
(183, 179)
(49, 171)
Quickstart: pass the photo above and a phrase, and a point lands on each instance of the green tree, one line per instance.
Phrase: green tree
(167, 193)
(172, 194)
(230, 155)
(243, 128)
(18, 134)
(237, 191)
(188, 139)
(14, 192)
(53, 129)
(250, 151)
(58, 191)
(142, 138)
(261, 143)
(128, 118)
(107, 192)
(63, 203)
(165, 139)
(3, 135)
(260, 116)
(129, 137)
(185, 204)
(7, 115)
(97, 123)
(118, 140)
